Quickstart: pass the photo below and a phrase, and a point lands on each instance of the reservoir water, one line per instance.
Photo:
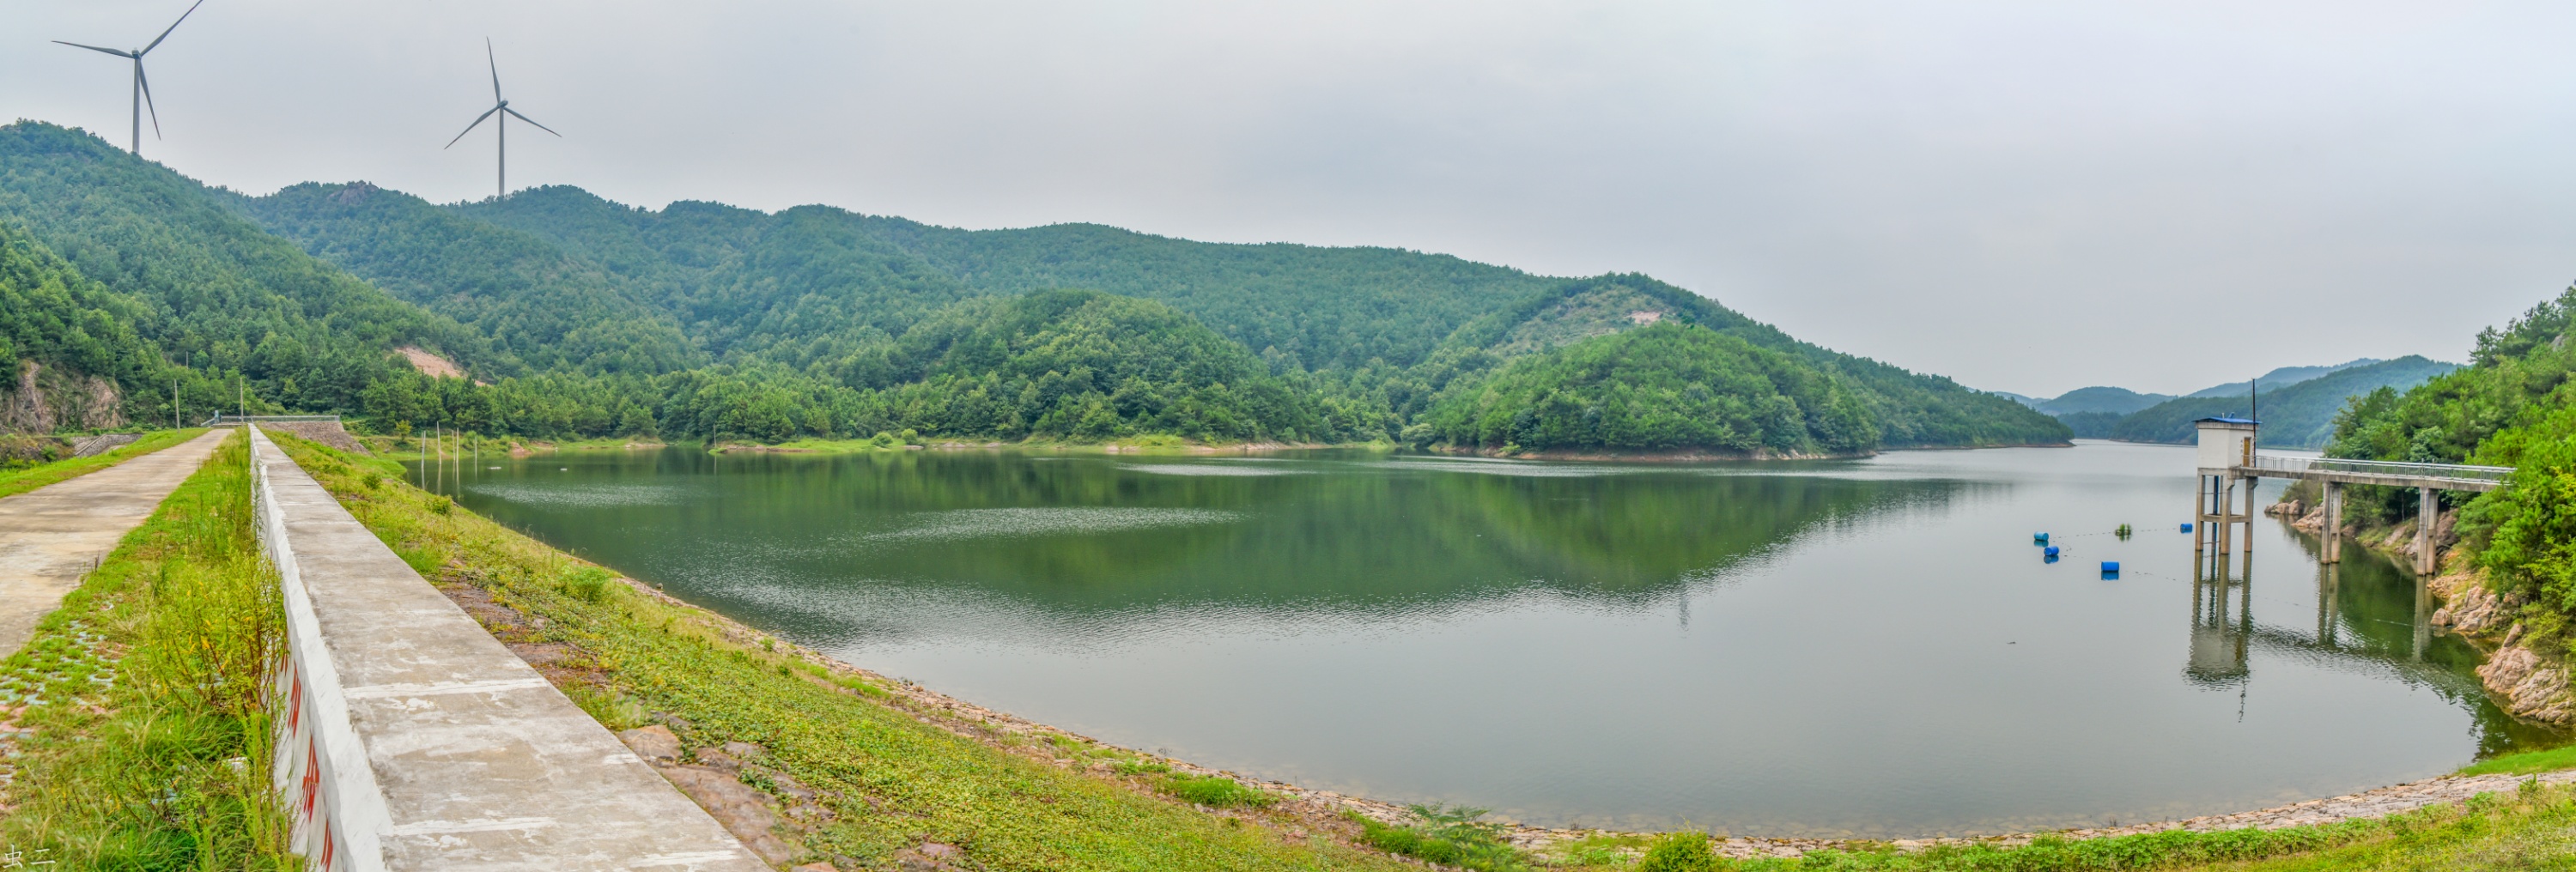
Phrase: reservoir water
(1869, 647)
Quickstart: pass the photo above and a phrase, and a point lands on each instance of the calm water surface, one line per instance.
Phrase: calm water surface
(1869, 647)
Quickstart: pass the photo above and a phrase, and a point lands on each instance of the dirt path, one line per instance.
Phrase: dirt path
(50, 536)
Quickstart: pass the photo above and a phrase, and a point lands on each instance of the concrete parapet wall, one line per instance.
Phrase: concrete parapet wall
(412, 740)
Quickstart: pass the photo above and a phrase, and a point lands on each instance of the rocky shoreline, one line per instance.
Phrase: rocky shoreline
(2526, 683)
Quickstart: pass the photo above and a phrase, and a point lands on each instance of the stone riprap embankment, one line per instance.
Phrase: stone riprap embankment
(416, 741)
(51, 536)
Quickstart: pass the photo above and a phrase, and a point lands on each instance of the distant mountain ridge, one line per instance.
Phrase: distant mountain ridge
(577, 317)
(2282, 378)
(2300, 415)
(2122, 401)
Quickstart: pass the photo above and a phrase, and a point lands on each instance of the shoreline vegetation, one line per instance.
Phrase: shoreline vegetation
(449, 445)
(710, 694)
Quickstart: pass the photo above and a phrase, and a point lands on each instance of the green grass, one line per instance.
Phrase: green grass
(891, 781)
(18, 481)
(143, 699)
(2533, 827)
(1216, 791)
(2525, 763)
(2529, 829)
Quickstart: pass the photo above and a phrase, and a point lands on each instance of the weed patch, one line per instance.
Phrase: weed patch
(137, 720)
(1216, 791)
(1450, 837)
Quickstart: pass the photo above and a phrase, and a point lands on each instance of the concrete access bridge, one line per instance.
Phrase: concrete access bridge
(2228, 458)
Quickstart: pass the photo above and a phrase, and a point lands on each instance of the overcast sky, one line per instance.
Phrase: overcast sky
(2026, 196)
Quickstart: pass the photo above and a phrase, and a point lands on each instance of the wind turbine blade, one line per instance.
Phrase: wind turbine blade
(478, 122)
(489, 59)
(116, 52)
(146, 83)
(515, 114)
(156, 41)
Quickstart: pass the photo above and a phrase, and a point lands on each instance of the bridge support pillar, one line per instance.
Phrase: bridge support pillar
(2428, 510)
(2331, 535)
(2249, 514)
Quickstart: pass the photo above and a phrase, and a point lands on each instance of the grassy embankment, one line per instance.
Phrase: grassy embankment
(857, 775)
(2526, 829)
(22, 480)
(138, 715)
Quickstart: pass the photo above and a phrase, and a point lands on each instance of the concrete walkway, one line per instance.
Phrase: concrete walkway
(51, 536)
(416, 741)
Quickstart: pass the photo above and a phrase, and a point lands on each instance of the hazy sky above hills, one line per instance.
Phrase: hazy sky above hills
(2027, 196)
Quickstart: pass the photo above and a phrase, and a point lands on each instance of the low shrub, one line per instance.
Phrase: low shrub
(1448, 836)
(1216, 791)
(589, 584)
(1679, 852)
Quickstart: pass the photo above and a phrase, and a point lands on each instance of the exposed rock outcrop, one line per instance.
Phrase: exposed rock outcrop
(2528, 684)
(44, 399)
(2533, 689)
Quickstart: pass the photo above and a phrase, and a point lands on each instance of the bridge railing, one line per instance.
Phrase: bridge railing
(2293, 465)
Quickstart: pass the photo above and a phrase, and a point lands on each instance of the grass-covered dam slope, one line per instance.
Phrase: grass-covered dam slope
(135, 725)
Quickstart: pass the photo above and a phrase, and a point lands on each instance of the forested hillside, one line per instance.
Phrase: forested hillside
(1903, 409)
(2516, 377)
(69, 350)
(2098, 400)
(212, 290)
(577, 317)
(1673, 386)
(1314, 308)
(549, 310)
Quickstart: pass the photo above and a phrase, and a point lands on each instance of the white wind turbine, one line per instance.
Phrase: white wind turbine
(143, 88)
(500, 125)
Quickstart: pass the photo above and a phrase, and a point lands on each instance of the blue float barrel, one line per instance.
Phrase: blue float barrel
(2039, 538)
(2110, 566)
(2050, 551)
(2186, 528)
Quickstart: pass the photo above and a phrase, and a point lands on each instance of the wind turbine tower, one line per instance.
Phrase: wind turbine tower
(143, 87)
(500, 124)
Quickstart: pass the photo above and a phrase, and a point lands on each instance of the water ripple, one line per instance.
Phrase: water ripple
(981, 523)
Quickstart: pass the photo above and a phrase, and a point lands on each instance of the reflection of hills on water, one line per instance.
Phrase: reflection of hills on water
(1087, 534)
(1402, 537)
(2372, 615)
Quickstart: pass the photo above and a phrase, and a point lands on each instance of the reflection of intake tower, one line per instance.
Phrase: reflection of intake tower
(2221, 627)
